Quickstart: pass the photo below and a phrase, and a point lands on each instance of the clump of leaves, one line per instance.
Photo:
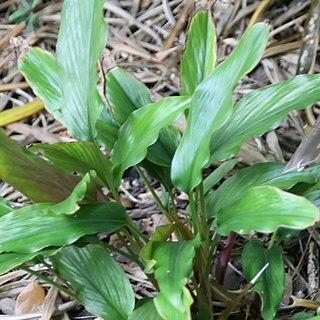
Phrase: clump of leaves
(138, 131)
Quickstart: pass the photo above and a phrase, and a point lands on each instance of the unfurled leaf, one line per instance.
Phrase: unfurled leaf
(261, 111)
(199, 58)
(145, 311)
(33, 228)
(162, 151)
(210, 181)
(100, 284)
(71, 204)
(125, 94)
(142, 129)
(82, 37)
(265, 209)
(270, 284)
(35, 177)
(211, 106)
(10, 260)
(304, 316)
(81, 156)
(30, 299)
(4, 206)
(269, 173)
(40, 69)
(172, 267)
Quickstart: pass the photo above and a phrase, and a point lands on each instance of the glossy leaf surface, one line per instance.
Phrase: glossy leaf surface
(146, 311)
(125, 94)
(270, 284)
(33, 228)
(101, 285)
(211, 106)
(199, 58)
(81, 156)
(4, 206)
(40, 69)
(10, 260)
(35, 177)
(142, 129)
(71, 204)
(263, 110)
(173, 266)
(265, 209)
(269, 173)
(210, 181)
(82, 37)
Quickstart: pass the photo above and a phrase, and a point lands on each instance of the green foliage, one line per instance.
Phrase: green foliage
(75, 185)
(199, 57)
(107, 294)
(213, 97)
(265, 209)
(270, 285)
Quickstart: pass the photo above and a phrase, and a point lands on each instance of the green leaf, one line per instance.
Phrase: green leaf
(4, 206)
(125, 94)
(142, 129)
(79, 156)
(270, 285)
(146, 311)
(100, 284)
(43, 80)
(172, 267)
(263, 110)
(35, 177)
(82, 37)
(304, 315)
(199, 58)
(211, 106)
(314, 197)
(265, 209)
(71, 204)
(214, 177)
(33, 228)
(162, 151)
(10, 260)
(269, 173)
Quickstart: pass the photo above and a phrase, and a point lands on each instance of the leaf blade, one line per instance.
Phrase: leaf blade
(265, 209)
(30, 229)
(261, 111)
(214, 97)
(199, 58)
(100, 283)
(82, 38)
(270, 285)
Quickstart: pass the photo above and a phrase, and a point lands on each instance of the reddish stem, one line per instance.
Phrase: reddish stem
(225, 256)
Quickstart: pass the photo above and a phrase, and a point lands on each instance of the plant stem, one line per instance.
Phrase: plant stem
(225, 256)
(124, 254)
(50, 281)
(194, 214)
(182, 228)
(272, 240)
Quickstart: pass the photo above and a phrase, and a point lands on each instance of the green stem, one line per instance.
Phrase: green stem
(272, 240)
(182, 228)
(173, 205)
(124, 254)
(50, 281)
(136, 232)
(194, 214)
(131, 240)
